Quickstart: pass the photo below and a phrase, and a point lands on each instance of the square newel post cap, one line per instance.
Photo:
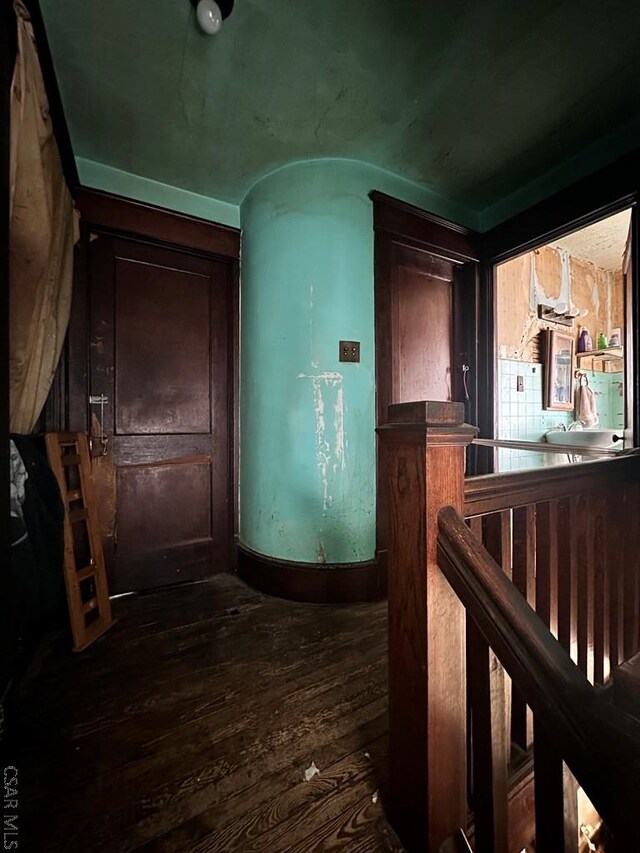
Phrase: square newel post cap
(432, 417)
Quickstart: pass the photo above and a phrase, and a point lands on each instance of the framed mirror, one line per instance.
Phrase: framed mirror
(559, 368)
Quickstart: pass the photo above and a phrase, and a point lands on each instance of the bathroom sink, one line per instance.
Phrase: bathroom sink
(605, 438)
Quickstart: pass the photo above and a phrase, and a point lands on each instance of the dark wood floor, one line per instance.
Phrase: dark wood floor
(189, 726)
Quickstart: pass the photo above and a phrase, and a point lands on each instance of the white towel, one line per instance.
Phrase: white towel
(586, 408)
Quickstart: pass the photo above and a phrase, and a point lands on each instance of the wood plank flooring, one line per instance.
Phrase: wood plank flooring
(189, 725)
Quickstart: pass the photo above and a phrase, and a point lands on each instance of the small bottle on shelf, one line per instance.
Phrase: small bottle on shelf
(584, 341)
(603, 343)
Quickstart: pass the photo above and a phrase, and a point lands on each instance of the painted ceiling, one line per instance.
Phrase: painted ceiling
(474, 101)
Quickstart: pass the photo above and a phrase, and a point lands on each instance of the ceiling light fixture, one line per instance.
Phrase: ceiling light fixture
(561, 313)
(211, 14)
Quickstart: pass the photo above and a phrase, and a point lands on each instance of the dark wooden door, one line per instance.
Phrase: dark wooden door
(425, 290)
(159, 368)
(422, 322)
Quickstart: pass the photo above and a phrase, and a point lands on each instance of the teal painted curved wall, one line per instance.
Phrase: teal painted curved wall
(307, 457)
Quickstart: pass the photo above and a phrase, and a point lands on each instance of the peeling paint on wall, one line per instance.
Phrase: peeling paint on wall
(551, 276)
(537, 293)
(338, 425)
(609, 300)
(595, 293)
(534, 284)
(330, 444)
(565, 281)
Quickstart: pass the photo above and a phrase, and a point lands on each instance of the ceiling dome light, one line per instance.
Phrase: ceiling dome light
(209, 16)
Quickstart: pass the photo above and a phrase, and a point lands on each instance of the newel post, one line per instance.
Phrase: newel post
(423, 452)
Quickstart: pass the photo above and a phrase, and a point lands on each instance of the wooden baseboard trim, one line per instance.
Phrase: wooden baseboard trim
(318, 584)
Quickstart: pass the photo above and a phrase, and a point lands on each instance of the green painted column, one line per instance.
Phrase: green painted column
(307, 445)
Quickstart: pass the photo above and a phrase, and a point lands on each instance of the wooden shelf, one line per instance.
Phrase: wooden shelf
(604, 354)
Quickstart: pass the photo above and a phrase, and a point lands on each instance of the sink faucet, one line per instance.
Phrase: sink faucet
(574, 425)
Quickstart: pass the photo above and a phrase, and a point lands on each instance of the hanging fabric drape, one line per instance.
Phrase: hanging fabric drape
(43, 230)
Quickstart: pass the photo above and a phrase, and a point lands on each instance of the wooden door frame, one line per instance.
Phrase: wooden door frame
(608, 191)
(398, 224)
(116, 216)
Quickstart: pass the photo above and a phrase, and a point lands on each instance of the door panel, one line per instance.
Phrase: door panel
(422, 317)
(159, 356)
(178, 491)
(424, 337)
(163, 336)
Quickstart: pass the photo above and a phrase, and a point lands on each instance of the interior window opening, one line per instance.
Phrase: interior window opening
(561, 331)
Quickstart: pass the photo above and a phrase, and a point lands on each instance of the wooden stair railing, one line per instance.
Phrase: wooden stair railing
(567, 537)
(427, 790)
(599, 742)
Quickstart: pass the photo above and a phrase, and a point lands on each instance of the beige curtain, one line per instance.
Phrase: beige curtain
(43, 229)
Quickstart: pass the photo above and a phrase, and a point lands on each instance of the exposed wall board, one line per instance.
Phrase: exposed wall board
(537, 278)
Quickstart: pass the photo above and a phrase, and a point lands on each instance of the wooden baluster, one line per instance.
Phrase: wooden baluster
(524, 566)
(584, 558)
(476, 524)
(490, 698)
(547, 564)
(632, 573)
(590, 587)
(524, 551)
(489, 745)
(567, 576)
(424, 457)
(616, 534)
(600, 588)
(497, 538)
(556, 797)
(555, 792)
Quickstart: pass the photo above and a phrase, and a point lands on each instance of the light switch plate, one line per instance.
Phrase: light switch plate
(349, 351)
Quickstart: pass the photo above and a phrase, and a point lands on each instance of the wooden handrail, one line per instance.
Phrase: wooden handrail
(599, 743)
(494, 492)
(567, 538)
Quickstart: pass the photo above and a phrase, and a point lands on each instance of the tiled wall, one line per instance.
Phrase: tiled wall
(609, 391)
(521, 416)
